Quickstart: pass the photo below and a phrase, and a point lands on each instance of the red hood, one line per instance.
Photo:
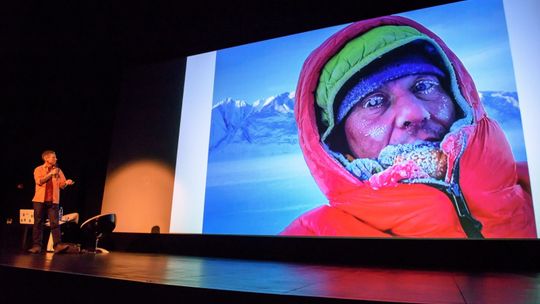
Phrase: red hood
(487, 178)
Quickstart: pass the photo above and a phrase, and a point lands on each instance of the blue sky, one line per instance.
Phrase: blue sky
(474, 30)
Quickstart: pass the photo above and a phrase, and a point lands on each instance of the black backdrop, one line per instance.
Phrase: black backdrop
(66, 65)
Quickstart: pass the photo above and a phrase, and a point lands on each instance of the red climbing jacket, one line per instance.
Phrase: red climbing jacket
(481, 196)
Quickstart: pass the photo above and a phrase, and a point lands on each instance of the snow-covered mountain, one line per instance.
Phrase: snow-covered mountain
(266, 121)
(228, 120)
(268, 126)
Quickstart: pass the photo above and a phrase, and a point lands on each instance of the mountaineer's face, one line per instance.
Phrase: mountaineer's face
(403, 111)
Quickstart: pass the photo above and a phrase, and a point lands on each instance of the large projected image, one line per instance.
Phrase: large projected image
(255, 163)
(400, 126)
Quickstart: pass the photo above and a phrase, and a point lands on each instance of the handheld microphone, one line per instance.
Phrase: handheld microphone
(55, 167)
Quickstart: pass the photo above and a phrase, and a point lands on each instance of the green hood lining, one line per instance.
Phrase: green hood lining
(363, 50)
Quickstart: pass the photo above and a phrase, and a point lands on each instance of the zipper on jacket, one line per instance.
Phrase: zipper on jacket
(470, 225)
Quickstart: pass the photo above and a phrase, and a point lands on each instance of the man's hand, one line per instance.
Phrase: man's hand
(69, 182)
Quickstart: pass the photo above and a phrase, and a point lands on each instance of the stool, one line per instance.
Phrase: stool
(93, 229)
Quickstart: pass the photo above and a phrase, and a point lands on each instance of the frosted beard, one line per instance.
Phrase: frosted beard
(396, 163)
(408, 162)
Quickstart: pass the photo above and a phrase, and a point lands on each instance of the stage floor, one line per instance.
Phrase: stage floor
(286, 282)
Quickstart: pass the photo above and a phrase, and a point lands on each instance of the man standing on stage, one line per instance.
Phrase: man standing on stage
(49, 180)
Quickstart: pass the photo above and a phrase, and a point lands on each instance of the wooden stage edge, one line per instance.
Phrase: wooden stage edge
(166, 278)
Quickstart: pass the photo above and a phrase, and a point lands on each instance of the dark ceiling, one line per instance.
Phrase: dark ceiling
(62, 65)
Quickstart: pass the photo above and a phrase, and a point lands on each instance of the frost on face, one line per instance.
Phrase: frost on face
(377, 133)
(443, 111)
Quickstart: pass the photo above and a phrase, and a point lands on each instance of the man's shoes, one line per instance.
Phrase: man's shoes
(35, 249)
(59, 248)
